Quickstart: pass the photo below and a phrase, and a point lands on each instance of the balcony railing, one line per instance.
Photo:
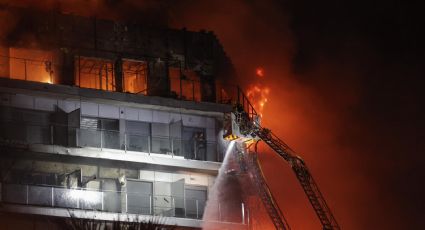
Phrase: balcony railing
(117, 202)
(112, 201)
(105, 139)
(189, 149)
(47, 70)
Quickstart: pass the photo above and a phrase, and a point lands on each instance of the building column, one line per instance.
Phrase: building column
(4, 62)
(118, 73)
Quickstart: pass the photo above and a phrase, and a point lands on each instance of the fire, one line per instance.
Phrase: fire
(257, 95)
(260, 72)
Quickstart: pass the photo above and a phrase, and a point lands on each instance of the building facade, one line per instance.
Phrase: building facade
(111, 120)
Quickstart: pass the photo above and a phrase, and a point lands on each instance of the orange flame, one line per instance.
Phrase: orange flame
(258, 96)
(260, 72)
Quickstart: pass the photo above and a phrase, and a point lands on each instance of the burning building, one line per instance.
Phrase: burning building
(106, 120)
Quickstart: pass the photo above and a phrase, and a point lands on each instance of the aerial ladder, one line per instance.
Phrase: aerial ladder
(266, 195)
(245, 123)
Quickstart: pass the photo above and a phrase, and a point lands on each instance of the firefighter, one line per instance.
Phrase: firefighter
(199, 145)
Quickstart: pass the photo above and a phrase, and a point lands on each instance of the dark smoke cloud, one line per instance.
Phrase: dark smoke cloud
(346, 85)
(148, 12)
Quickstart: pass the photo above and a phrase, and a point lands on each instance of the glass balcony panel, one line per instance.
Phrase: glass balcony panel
(177, 147)
(89, 138)
(211, 154)
(112, 201)
(163, 206)
(137, 143)
(191, 209)
(38, 195)
(161, 145)
(14, 193)
(38, 135)
(62, 135)
(179, 209)
(13, 132)
(66, 198)
(188, 147)
(139, 204)
(196, 150)
(91, 200)
(111, 140)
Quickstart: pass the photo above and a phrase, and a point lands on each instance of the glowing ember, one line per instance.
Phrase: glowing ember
(260, 72)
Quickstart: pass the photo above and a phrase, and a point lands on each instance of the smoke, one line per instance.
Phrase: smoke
(148, 12)
(225, 198)
(7, 23)
(344, 93)
(234, 198)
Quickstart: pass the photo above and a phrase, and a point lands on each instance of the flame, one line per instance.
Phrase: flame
(258, 93)
(258, 96)
(259, 72)
(29, 64)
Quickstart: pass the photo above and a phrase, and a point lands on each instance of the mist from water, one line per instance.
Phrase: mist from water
(233, 202)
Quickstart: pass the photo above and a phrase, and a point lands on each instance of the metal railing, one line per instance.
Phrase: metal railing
(115, 201)
(24, 134)
(189, 149)
(38, 70)
(245, 105)
(48, 70)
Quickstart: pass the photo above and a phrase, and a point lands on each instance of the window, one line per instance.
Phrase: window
(137, 136)
(139, 197)
(135, 74)
(94, 73)
(27, 116)
(28, 64)
(99, 123)
(194, 143)
(186, 85)
(99, 133)
(196, 197)
(160, 138)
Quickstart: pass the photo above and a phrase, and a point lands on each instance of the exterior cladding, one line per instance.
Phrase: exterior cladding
(75, 35)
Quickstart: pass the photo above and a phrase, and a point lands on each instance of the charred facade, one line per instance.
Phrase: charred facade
(110, 119)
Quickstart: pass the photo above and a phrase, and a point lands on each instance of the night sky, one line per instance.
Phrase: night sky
(346, 92)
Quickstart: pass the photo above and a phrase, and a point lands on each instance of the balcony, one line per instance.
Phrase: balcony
(27, 134)
(115, 202)
(188, 149)
(96, 73)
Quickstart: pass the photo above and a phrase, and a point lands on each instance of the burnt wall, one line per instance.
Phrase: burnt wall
(74, 35)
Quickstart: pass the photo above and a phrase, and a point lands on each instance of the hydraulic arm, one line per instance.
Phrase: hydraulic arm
(247, 122)
(304, 177)
(266, 196)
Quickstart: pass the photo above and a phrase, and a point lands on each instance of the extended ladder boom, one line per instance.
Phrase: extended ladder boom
(304, 177)
(248, 123)
(266, 196)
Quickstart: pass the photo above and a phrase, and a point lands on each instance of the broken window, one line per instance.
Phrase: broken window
(94, 73)
(28, 64)
(185, 85)
(135, 74)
